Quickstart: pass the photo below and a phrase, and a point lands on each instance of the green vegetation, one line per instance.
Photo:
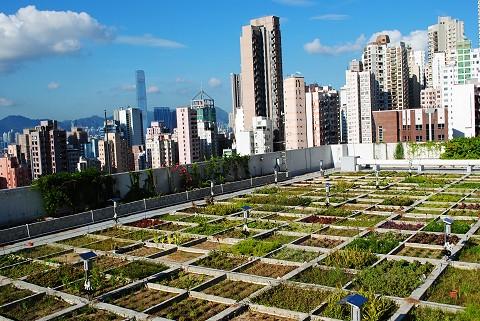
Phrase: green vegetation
(470, 252)
(184, 280)
(458, 227)
(329, 277)
(462, 148)
(350, 259)
(471, 313)
(381, 243)
(221, 260)
(60, 191)
(398, 201)
(399, 151)
(294, 255)
(445, 198)
(138, 270)
(252, 247)
(278, 200)
(397, 278)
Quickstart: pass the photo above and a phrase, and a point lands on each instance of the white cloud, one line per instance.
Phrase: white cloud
(53, 85)
(127, 87)
(153, 90)
(331, 17)
(316, 47)
(295, 3)
(418, 39)
(30, 34)
(214, 82)
(149, 41)
(4, 102)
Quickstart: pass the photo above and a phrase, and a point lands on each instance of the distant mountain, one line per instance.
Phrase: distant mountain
(17, 123)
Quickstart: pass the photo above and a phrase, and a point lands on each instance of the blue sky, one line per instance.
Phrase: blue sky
(68, 65)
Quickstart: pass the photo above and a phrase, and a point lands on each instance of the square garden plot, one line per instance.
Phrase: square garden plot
(191, 309)
(456, 286)
(184, 280)
(210, 246)
(10, 293)
(235, 290)
(173, 238)
(290, 297)
(332, 231)
(381, 243)
(141, 235)
(115, 231)
(221, 261)
(319, 219)
(394, 278)
(336, 277)
(144, 251)
(263, 225)
(211, 228)
(257, 316)
(79, 241)
(432, 239)
(403, 226)
(57, 277)
(301, 227)
(280, 238)
(108, 245)
(90, 314)
(140, 299)
(146, 223)
(100, 283)
(471, 251)
(236, 233)
(181, 256)
(362, 220)
(283, 217)
(24, 269)
(267, 269)
(171, 227)
(321, 242)
(421, 252)
(33, 309)
(458, 227)
(136, 270)
(427, 314)
(294, 255)
(350, 259)
(10, 259)
(39, 251)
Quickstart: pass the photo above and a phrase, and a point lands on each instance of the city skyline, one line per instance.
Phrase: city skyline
(92, 68)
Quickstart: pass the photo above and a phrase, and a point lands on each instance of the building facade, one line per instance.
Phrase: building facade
(188, 139)
(131, 125)
(13, 174)
(464, 116)
(430, 98)
(161, 148)
(295, 115)
(262, 75)
(204, 106)
(142, 97)
(410, 125)
(166, 117)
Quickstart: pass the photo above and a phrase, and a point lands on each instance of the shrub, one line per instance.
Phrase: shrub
(462, 148)
(399, 151)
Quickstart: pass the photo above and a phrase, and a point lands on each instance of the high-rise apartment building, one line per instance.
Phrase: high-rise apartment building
(262, 76)
(161, 148)
(374, 59)
(431, 98)
(13, 173)
(443, 37)
(204, 106)
(464, 113)
(113, 151)
(295, 115)
(262, 135)
(343, 116)
(236, 87)
(416, 81)
(397, 79)
(166, 118)
(142, 97)
(48, 149)
(323, 115)
(188, 140)
(131, 125)
(360, 97)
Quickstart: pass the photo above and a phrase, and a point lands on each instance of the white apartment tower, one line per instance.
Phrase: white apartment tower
(443, 37)
(262, 76)
(397, 75)
(360, 102)
(161, 148)
(188, 140)
(294, 104)
(374, 59)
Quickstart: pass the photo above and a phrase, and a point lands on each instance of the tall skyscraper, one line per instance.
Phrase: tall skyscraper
(374, 59)
(295, 117)
(142, 97)
(131, 125)
(262, 76)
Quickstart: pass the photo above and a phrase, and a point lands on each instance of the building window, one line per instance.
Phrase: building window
(418, 127)
(380, 134)
(441, 126)
(418, 138)
(441, 137)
